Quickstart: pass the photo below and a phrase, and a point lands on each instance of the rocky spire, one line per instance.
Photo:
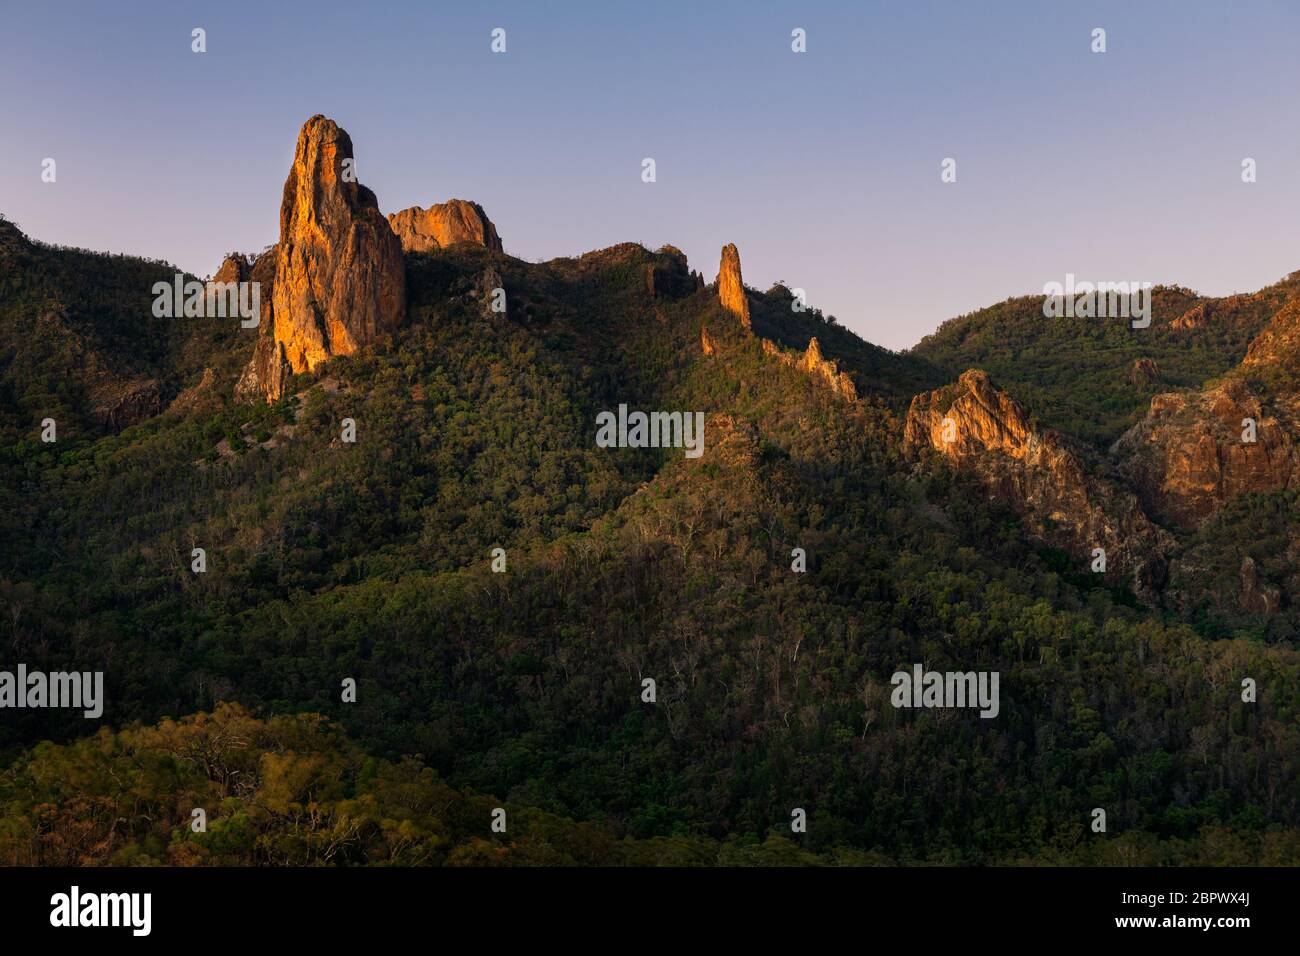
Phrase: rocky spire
(731, 289)
(814, 363)
(339, 276)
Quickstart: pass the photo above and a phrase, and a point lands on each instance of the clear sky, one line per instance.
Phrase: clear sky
(823, 167)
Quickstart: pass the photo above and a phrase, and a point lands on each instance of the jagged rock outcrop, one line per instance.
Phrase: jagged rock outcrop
(260, 271)
(443, 225)
(1196, 317)
(1256, 597)
(706, 343)
(268, 370)
(1190, 454)
(266, 373)
(818, 366)
(1234, 311)
(731, 288)
(1044, 477)
(1145, 372)
(814, 363)
(1277, 347)
(234, 268)
(1198, 449)
(1193, 452)
(126, 404)
(339, 275)
(668, 274)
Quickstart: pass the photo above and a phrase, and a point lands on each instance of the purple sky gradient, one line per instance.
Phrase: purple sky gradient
(823, 167)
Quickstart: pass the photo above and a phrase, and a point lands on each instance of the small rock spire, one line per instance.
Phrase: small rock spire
(731, 289)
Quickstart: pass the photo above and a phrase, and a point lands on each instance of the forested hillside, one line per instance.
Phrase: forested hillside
(1078, 374)
(294, 791)
(371, 560)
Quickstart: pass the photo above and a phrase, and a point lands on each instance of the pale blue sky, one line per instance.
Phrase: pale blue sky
(823, 167)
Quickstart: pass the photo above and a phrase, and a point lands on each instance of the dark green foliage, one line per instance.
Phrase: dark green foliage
(329, 560)
(1075, 374)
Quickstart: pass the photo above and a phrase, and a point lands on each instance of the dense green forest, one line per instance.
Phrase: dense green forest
(329, 560)
(294, 791)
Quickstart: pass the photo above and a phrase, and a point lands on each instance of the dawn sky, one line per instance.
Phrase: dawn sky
(823, 167)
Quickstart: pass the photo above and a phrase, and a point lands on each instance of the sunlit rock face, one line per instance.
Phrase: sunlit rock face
(339, 273)
(816, 365)
(444, 225)
(1198, 449)
(1190, 456)
(731, 288)
(1043, 477)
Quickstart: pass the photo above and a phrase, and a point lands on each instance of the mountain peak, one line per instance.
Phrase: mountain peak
(339, 275)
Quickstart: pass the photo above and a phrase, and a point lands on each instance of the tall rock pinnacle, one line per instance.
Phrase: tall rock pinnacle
(443, 225)
(731, 290)
(339, 275)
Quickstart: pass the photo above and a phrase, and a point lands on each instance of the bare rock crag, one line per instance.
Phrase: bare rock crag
(233, 268)
(127, 404)
(731, 288)
(340, 279)
(1144, 372)
(1198, 449)
(668, 275)
(982, 431)
(1192, 453)
(1277, 346)
(816, 365)
(443, 225)
(268, 370)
